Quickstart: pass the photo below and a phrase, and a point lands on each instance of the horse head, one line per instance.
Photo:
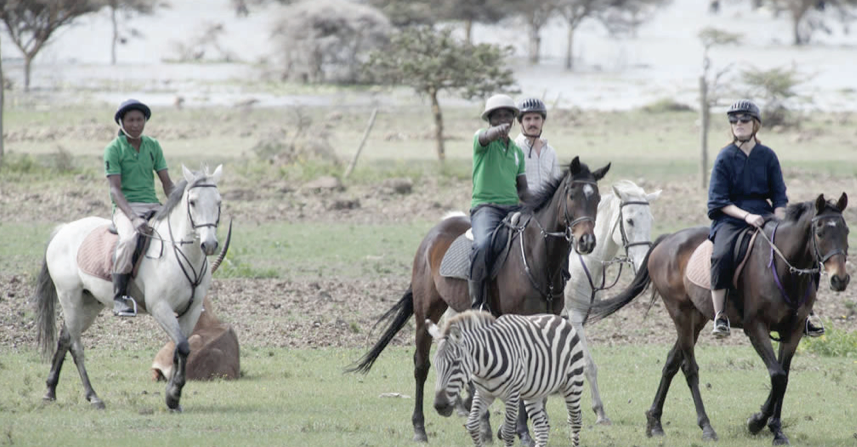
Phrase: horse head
(830, 239)
(581, 203)
(202, 201)
(631, 229)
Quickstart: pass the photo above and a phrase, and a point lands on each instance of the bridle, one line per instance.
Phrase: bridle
(620, 222)
(562, 272)
(196, 280)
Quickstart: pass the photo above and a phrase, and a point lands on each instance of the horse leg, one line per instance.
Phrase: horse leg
(421, 369)
(591, 372)
(78, 321)
(778, 370)
(63, 345)
(691, 373)
(653, 415)
(164, 315)
(541, 426)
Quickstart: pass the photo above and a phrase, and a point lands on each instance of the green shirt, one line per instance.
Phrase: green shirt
(136, 168)
(495, 172)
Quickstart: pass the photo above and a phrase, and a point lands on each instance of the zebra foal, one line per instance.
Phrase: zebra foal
(512, 358)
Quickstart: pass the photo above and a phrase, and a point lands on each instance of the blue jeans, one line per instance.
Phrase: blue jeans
(483, 220)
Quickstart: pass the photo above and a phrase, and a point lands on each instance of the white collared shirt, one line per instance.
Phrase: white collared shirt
(541, 167)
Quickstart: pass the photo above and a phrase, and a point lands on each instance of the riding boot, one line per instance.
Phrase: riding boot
(811, 329)
(721, 325)
(123, 304)
(477, 293)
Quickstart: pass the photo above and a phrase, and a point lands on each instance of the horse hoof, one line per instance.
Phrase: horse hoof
(781, 439)
(756, 423)
(177, 409)
(604, 421)
(708, 434)
(527, 441)
(653, 425)
(97, 404)
(420, 437)
(49, 398)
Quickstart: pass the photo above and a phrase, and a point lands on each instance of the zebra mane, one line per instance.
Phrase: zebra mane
(469, 320)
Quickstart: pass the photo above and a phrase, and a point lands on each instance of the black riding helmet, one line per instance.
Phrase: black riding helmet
(532, 105)
(745, 106)
(129, 105)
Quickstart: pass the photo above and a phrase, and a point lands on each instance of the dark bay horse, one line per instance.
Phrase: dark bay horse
(813, 236)
(530, 282)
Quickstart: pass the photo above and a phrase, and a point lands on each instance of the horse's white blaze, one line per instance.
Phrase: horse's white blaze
(588, 190)
(831, 223)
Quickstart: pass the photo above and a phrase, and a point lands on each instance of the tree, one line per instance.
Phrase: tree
(431, 61)
(474, 11)
(405, 13)
(31, 23)
(709, 91)
(617, 16)
(325, 40)
(127, 8)
(2, 108)
(809, 15)
(536, 14)
(777, 89)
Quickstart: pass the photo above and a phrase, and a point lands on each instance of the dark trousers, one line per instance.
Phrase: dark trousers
(722, 257)
(483, 220)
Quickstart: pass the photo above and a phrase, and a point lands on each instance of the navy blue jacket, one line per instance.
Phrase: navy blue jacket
(746, 182)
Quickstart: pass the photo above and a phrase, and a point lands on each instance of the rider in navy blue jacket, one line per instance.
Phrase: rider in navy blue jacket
(746, 185)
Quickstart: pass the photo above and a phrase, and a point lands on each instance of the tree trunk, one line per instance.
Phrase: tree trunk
(796, 16)
(115, 35)
(468, 31)
(569, 49)
(534, 44)
(2, 107)
(28, 60)
(438, 126)
(703, 131)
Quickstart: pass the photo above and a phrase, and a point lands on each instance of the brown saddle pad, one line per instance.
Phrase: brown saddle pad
(95, 256)
(699, 266)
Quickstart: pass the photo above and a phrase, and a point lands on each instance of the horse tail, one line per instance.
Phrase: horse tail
(402, 311)
(605, 308)
(45, 299)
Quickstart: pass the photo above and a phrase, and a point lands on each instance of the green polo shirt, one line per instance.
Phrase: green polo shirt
(496, 168)
(136, 168)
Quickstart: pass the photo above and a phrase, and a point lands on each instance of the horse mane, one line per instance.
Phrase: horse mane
(470, 319)
(544, 195)
(176, 196)
(796, 211)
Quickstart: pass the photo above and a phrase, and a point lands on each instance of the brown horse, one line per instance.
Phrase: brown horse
(812, 237)
(530, 282)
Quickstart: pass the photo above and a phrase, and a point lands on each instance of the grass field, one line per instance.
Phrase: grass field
(299, 397)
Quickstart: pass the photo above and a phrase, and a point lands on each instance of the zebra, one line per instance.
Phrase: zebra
(513, 358)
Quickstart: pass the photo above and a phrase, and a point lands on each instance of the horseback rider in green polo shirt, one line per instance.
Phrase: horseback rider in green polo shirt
(499, 183)
(129, 161)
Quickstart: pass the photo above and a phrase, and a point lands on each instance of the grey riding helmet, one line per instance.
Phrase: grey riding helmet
(532, 105)
(745, 106)
(129, 105)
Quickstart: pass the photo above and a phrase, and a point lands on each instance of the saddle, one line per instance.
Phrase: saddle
(699, 266)
(95, 255)
(456, 261)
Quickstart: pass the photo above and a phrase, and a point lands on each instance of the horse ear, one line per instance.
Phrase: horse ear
(574, 167)
(820, 203)
(617, 193)
(188, 175)
(652, 196)
(215, 177)
(433, 330)
(843, 201)
(600, 173)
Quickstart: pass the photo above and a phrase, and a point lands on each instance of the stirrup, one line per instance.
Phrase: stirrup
(128, 311)
(811, 330)
(721, 330)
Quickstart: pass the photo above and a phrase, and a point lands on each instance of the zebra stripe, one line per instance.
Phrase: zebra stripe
(511, 358)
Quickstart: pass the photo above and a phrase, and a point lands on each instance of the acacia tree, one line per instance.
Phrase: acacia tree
(431, 61)
(31, 23)
(475, 11)
(535, 14)
(127, 9)
(809, 15)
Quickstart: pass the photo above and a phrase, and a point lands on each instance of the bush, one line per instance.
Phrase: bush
(666, 105)
(834, 343)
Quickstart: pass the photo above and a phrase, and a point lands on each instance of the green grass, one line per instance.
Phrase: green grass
(300, 397)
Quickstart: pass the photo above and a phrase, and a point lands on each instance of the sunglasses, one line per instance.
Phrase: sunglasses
(743, 119)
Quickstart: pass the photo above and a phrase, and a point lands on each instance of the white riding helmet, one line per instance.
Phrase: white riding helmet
(499, 102)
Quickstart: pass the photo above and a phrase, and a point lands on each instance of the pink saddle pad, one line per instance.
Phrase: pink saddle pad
(95, 256)
(699, 266)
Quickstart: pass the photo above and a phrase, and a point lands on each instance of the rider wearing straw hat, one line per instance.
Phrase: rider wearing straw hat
(499, 183)
(746, 184)
(129, 161)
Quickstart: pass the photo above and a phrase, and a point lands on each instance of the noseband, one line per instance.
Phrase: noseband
(193, 225)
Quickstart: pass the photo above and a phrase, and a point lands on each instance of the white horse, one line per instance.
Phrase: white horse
(171, 282)
(624, 220)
